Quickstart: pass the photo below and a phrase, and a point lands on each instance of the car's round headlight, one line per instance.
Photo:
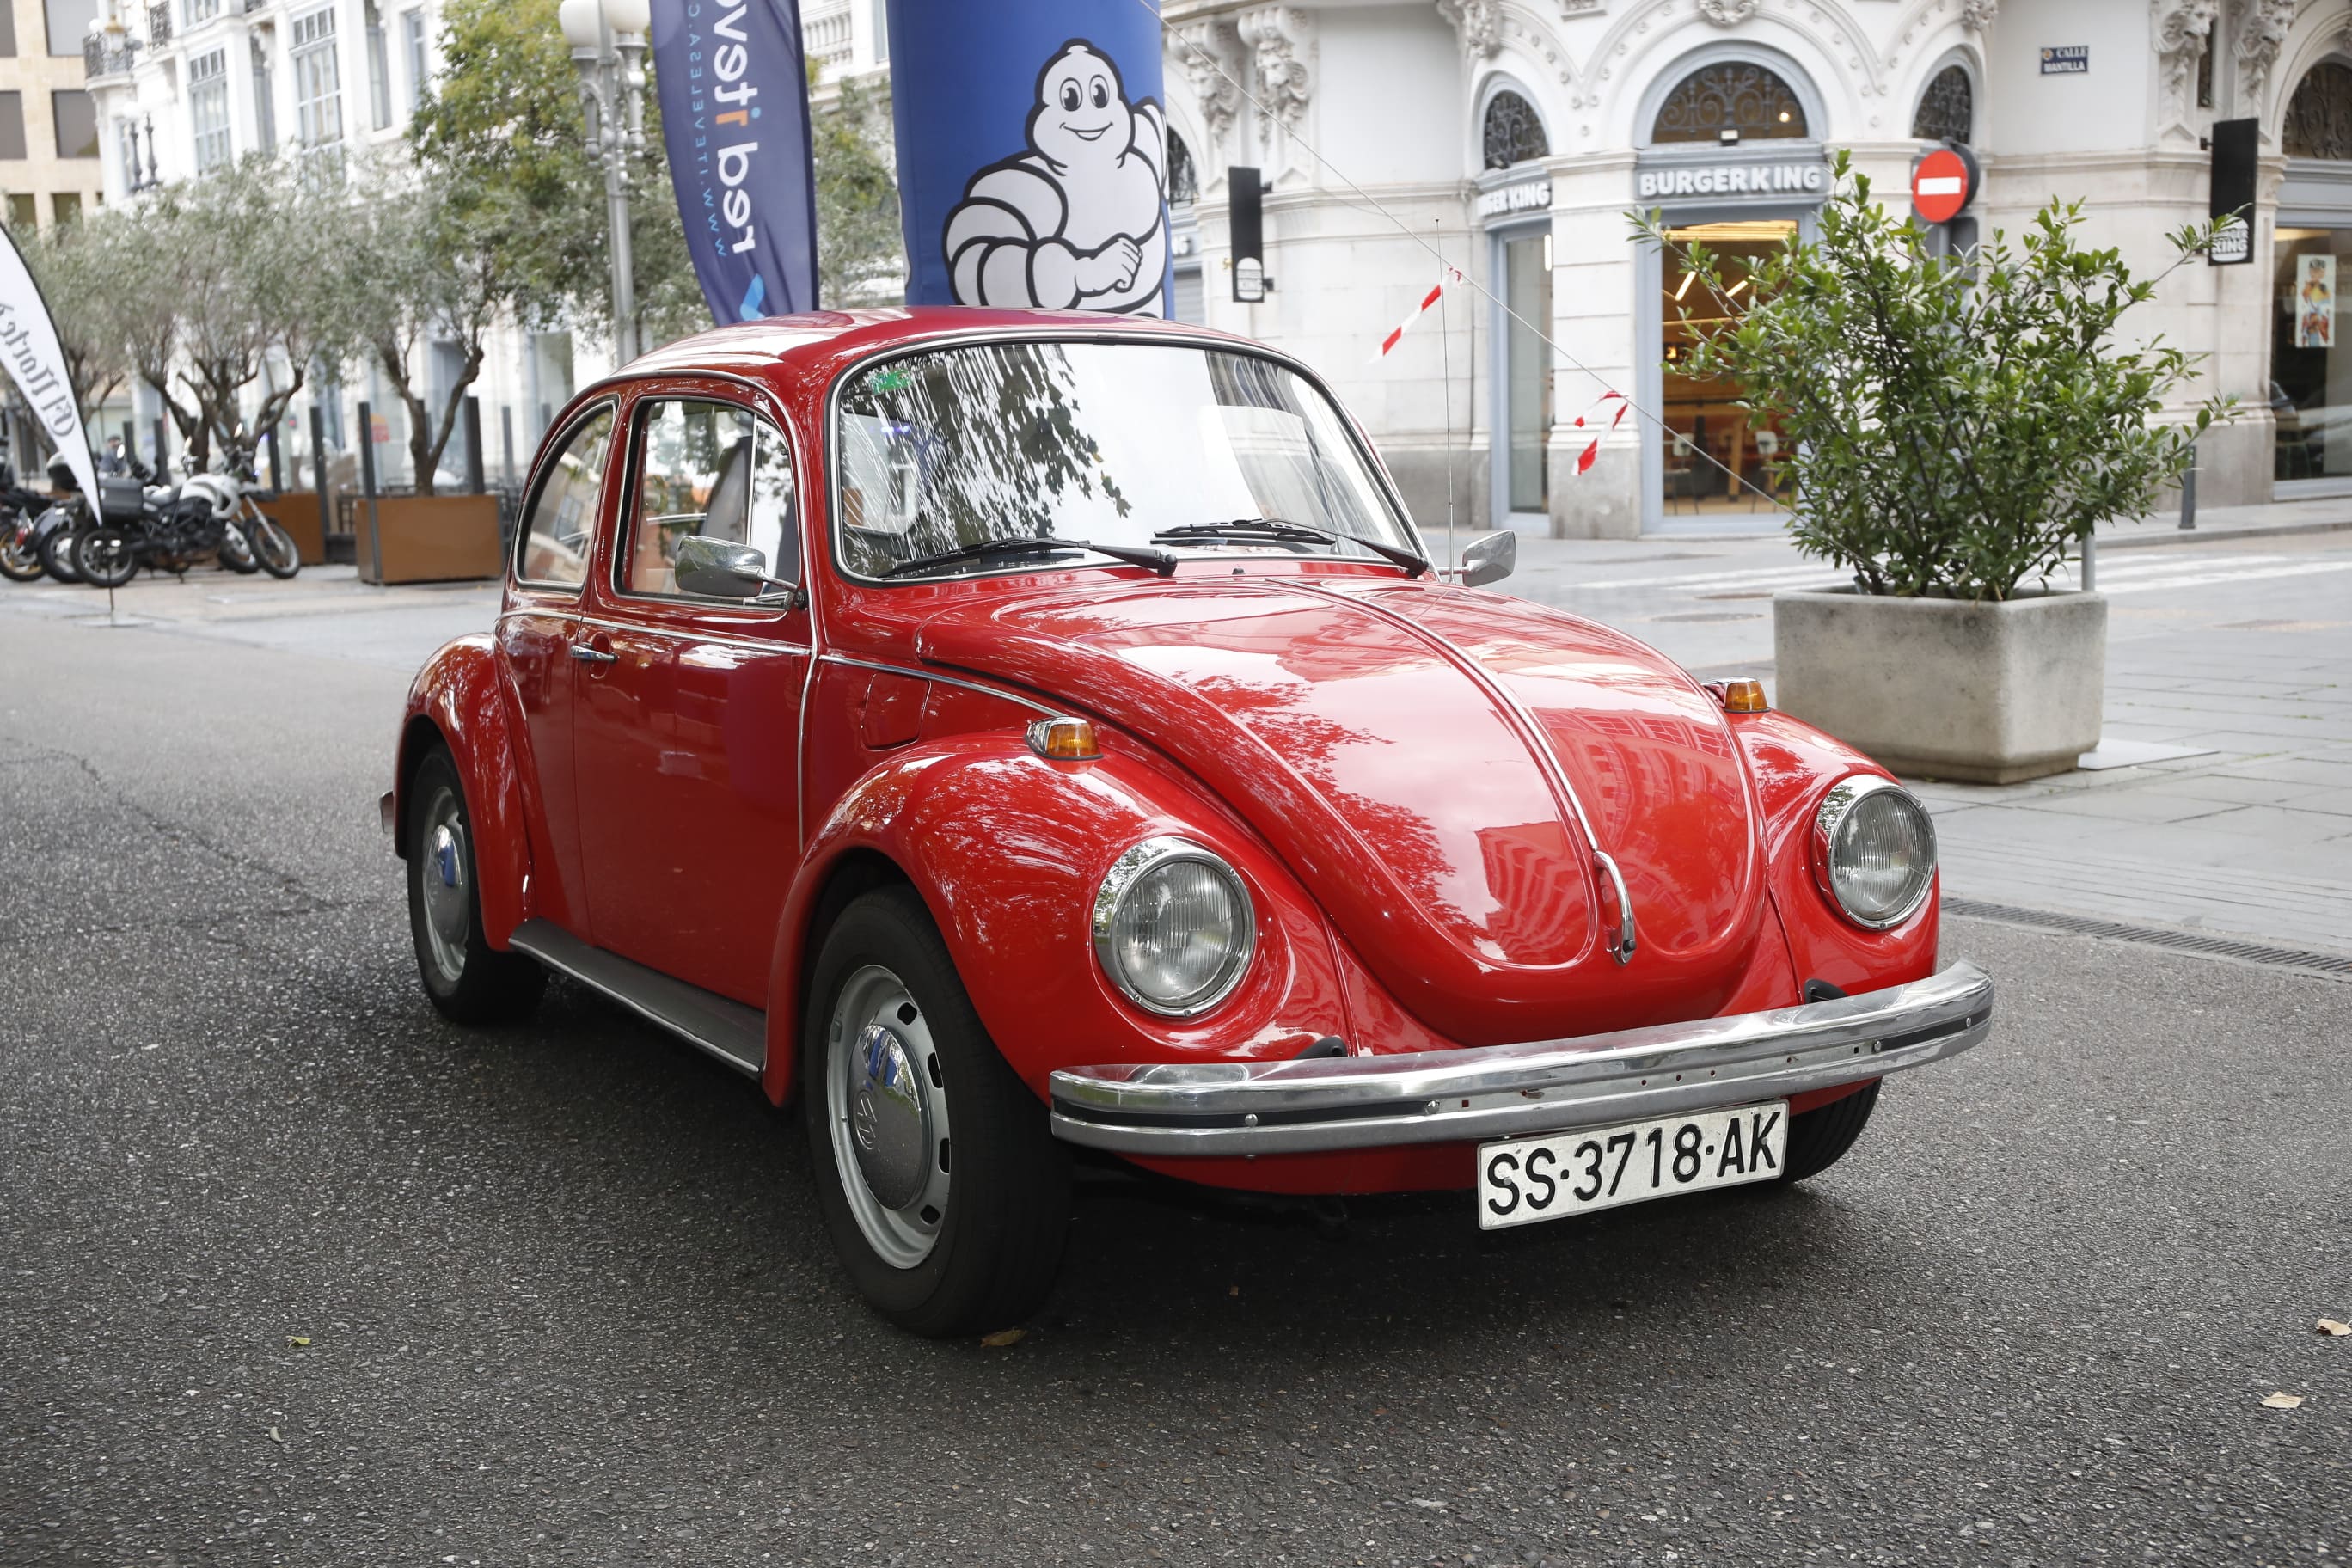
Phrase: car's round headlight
(1173, 927)
(1873, 850)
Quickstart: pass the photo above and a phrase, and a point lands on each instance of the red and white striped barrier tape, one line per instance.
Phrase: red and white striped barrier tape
(1593, 415)
(1437, 292)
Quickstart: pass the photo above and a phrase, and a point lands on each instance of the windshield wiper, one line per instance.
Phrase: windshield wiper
(1282, 528)
(1159, 561)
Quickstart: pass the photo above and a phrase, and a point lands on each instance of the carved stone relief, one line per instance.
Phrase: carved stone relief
(1478, 23)
(2184, 31)
(2261, 27)
(1282, 42)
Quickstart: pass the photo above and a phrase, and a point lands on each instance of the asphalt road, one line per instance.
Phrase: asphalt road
(292, 1272)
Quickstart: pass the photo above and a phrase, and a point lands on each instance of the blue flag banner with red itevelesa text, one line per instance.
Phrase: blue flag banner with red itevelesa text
(735, 121)
(1032, 153)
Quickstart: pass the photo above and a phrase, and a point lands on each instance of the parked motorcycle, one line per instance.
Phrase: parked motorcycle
(25, 526)
(167, 527)
(231, 492)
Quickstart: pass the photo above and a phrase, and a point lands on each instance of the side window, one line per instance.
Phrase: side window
(561, 525)
(710, 469)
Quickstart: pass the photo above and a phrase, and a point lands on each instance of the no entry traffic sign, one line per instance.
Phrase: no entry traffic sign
(1943, 184)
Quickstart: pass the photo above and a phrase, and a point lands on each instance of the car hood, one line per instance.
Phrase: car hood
(1417, 754)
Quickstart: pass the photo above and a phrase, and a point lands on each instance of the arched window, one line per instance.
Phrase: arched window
(1514, 134)
(1183, 178)
(1733, 95)
(1947, 110)
(2319, 115)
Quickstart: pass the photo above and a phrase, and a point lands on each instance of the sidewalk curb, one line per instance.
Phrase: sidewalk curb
(2177, 535)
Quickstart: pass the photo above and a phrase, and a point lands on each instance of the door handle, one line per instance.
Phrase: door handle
(587, 655)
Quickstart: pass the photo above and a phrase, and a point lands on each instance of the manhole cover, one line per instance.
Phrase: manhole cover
(1711, 615)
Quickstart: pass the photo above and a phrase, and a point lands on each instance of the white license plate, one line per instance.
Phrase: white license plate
(1561, 1174)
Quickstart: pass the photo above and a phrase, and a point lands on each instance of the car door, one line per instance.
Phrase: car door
(689, 713)
(539, 635)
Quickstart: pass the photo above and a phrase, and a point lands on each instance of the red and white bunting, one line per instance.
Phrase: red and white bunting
(1437, 292)
(1591, 417)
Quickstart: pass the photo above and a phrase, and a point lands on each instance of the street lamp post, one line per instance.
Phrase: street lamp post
(608, 48)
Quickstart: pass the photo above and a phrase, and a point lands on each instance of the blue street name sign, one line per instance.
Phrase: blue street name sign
(2066, 60)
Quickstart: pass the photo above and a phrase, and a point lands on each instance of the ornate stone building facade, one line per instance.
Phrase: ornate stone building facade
(1510, 139)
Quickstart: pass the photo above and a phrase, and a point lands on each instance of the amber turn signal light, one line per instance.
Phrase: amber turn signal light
(1742, 697)
(1063, 740)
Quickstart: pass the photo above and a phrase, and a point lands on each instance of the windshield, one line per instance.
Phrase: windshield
(1111, 443)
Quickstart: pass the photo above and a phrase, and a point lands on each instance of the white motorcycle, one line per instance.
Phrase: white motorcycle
(229, 490)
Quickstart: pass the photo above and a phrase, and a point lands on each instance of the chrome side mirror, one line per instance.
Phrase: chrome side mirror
(718, 568)
(1490, 559)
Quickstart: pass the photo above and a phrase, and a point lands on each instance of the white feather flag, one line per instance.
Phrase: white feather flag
(28, 344)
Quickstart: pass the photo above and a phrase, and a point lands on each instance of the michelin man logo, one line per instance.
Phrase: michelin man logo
(1078, 220)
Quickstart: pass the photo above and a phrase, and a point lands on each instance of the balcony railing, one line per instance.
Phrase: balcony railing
(826, 33)
(159, 23)
(105, 55)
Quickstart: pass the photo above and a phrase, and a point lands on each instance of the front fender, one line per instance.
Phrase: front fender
(1795, 764)
(458, 699)
(1007, 849)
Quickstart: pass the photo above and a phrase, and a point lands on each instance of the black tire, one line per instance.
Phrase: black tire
(274, 550)
(20, 558)
(104, 557)
(968, 1132)
(1818, 1138)
(469, 981)
(58, 554)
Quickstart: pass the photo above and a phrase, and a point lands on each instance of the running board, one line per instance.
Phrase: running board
(733, 1033)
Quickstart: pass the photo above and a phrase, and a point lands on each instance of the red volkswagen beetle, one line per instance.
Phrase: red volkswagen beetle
(1021, 733)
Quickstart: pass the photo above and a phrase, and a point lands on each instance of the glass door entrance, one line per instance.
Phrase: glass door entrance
(1702, 419)
(1526, 371)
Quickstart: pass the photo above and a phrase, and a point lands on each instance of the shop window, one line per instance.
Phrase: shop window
(1183, 176)
(2311, 373)
(1947, 110)
(2319, 115)
(1737, 97)
(1513, 133)
(1716, 450)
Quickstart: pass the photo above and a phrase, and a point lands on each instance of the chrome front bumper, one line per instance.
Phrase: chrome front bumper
(1498, 1091)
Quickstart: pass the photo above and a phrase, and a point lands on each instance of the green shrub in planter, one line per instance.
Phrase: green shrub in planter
(1952, 425)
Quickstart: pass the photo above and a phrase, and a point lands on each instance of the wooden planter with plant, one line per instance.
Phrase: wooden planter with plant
(1952, 429)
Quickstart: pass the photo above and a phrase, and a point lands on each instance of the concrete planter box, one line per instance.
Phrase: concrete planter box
(1989, 693)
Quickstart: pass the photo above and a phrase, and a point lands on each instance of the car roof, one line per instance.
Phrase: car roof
(782, 349)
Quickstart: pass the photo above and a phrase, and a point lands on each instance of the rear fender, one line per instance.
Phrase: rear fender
(458, 700)
(1006, 850)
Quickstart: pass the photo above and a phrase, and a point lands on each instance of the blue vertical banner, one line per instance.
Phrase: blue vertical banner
(1031, 153)
(735, 122)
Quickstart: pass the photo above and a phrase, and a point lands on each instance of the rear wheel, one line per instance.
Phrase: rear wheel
(469, 981)
(57, 551)
(273, 548)
(1818, 1138)
(105, 557)
(946, 1195)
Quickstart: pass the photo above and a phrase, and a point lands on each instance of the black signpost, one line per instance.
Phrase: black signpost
(1246, 192)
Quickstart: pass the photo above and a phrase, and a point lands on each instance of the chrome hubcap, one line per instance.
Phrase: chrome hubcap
(441, 872)
(888, 1115)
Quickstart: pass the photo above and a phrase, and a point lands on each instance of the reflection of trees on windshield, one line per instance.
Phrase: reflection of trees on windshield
(992, 440)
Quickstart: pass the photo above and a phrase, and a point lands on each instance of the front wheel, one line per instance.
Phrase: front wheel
(20, 557)
(56, 553)
(1820, 1138)
(105, 557)
(273, 548)
(468, 980)
(947, 1197)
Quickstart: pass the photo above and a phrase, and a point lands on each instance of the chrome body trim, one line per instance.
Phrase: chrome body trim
(1339, 1103)
(916, 672)
(729, 1030)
